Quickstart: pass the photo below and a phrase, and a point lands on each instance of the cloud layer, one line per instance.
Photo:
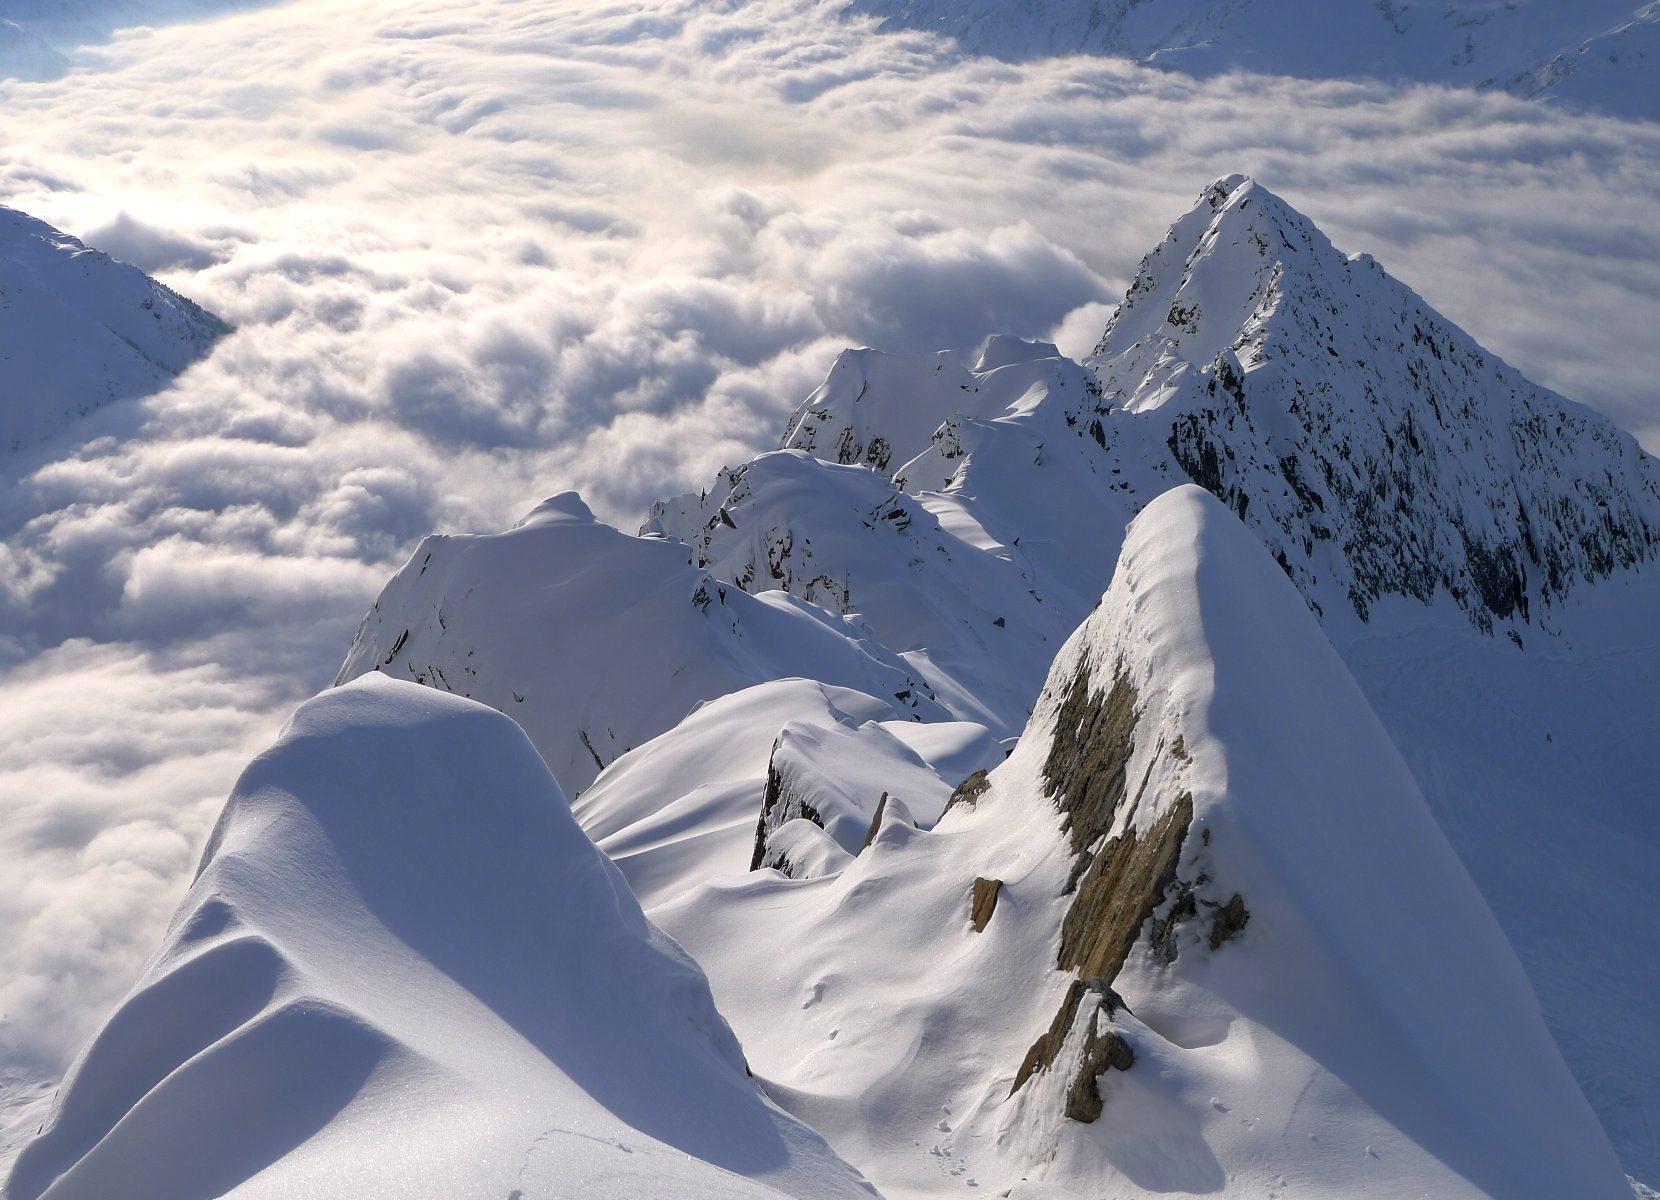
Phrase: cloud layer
(481, 251)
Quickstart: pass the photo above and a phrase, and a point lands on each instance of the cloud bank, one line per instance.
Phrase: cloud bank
(481, 251)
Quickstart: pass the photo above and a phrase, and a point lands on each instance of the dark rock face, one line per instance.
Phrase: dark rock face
(1042, 1054)
(1094, 739)
(984, 902)
(1119, 891)
(1104, 1048)
(969, 791)
(778, 806)
(1116, 887)
(875, 823)
(1124, 887)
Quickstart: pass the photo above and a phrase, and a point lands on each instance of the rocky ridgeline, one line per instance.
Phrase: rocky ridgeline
(1375, 448)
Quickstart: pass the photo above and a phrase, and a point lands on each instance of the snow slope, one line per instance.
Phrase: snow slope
(403, 971)
(596, 642)
(1290, 1022)
(1595, 53)
(79, 330)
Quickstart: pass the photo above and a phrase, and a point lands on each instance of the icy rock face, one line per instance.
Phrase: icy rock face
(595, 642)
(1198, 950)
(79, 330)
(1375, 448)
(402, 970)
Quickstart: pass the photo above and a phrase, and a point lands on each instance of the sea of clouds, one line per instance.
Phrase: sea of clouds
(480, 250)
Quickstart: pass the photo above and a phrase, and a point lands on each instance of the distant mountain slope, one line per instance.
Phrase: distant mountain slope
(1601, 54)
(79, 330)
(1377, 448)
(402, 971)
(1169, 945)
(596, 642)
(34, 33)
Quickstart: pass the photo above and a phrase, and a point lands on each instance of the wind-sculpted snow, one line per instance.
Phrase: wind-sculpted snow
(79, 330)
(1596, 53)
(596, 642)
(403, 971)
(1282, 1017)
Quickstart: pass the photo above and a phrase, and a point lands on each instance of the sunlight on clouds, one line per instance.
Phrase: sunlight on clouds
(478, 252)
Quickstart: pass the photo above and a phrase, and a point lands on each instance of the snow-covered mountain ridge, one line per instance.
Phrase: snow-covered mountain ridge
(1600, 54)
(1374, 447)
(79, 330)
(1461, 534)
(1039, 818)
(403, 971)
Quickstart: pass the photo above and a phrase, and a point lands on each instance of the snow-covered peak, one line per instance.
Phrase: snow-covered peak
(1222, 267)
(79, 330)
(560, 507)
(403, 971)
(1377, 449)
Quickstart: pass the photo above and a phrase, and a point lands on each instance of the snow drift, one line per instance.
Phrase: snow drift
(403, 971)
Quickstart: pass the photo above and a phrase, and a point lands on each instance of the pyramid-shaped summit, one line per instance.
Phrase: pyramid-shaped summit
(1375, 447)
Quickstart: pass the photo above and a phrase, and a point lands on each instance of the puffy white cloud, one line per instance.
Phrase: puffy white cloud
(481, 250)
